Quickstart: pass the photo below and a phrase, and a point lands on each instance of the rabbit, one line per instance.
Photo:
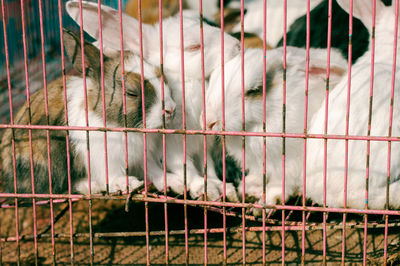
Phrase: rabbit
(358, 125)
(76, 115)
(296, 36)
(254, 17)
(115, 118)
(295, 102)
(172, 71)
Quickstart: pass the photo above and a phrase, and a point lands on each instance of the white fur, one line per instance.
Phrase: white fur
(116, 140)
(358, 125)
(295, 103)
(253, 20)
(172, 71)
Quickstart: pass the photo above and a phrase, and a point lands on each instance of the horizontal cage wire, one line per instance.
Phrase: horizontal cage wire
(199, 132)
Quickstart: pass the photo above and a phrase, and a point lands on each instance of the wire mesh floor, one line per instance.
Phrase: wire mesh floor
(119, 238)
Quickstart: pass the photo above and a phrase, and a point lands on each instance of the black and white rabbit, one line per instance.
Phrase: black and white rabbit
(254, 17)
(360, 103)
(172, 71)
(253, 98)
(78, 139)
(296, 36)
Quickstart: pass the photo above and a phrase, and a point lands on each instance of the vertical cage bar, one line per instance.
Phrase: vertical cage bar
(324, 232)
(121, 35)
(243, 129)
(346, 157)
(371, 93)
(283, 124)
(144, 134)
(396, 27)
(10, 100)
(264, 84)
(91, 253)
(103, 94)
(223, 129)
(160, 19)
(184, 128)
(203, 85)
(303, 231)
(71, 227)
(47, 131)
(30, 130)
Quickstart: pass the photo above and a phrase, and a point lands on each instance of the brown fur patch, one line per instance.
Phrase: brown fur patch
(149, 9)
(251, 40)
(231, 18)
(39, 142)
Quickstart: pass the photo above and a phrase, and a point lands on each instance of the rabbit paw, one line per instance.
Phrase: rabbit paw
(174, 183)
(119, 183)
(273, 196)
(214, 189)
(253, 191)
(197, 189)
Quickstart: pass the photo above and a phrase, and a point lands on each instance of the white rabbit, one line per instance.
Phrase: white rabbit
(295, 103)
(113, 95)
(254, 17)
(358, 124)
(172, 71)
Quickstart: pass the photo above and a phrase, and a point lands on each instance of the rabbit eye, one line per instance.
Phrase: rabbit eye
(255, 92)
(132, 93)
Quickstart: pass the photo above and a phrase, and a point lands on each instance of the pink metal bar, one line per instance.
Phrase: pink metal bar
(160, 19)
(10, 99)
(326, 124)
(223, 127)
(184, 128)
(121, 35)
(390, 126)
(144, 135)
(303, 232)
(283, 123)
(204, 126)
(71, 227)
(103, 94)
(87, 132)
(347, 127)
(264, 84)
(205, 132)
(243, 137)
(175, 232)
(30, 131)
(204, 203)
(371, 94)
(47, 131)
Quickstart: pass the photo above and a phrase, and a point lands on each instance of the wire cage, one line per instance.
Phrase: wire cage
(46, 220)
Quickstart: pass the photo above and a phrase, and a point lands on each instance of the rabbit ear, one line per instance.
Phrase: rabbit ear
(362, 9)
(72, 45)
(110, 26)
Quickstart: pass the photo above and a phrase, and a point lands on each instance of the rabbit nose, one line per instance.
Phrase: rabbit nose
(170, 112)
(211, 125)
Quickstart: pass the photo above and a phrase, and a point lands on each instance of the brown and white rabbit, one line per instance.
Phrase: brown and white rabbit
(172, 71)
(78, 139)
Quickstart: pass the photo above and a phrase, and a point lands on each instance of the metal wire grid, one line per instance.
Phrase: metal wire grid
(223, 207)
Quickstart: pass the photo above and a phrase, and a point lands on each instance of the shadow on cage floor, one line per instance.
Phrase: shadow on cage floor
(114, 243)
